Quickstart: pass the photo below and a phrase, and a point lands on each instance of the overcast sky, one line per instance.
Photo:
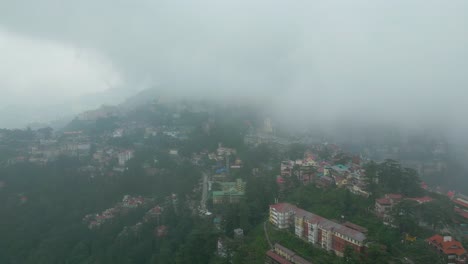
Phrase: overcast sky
(404, 61)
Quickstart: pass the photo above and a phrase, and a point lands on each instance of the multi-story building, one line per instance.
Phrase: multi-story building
(453, 251)
(231, 192)
(282, 215)
(286, 168)
(317, 230)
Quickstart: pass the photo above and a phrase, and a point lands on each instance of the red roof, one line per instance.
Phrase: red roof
(161, 231)
(279, 180)
(460, 202)
(282, 207)
(450, 194)
(394, 196)
(452, 247)
(355, 227)
(277, 257)
(422, 200)
(424, 185)
(384, 201)
(461, 212)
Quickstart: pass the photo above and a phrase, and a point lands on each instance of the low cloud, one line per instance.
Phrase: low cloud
(397, 62)
(40, 72)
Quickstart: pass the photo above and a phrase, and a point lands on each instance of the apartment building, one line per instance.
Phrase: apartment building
(317, 230)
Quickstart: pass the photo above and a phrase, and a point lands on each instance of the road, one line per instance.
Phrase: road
(205, 192)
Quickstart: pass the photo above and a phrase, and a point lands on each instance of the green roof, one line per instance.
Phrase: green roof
(222, 193)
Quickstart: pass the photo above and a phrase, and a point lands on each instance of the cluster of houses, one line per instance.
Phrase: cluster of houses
(128, 202)
(449, 248)
(152, 214)
(42, 150)
(385, 204)
(326, 172)
(227, 191)
(336, 237)
(108, 160)
(460, 202)
(105, 160)
(317, 230)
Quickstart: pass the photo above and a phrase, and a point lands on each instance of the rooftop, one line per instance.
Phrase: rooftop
(461, 202)
(394, 196)
(283, 207)
(448, 245)
(299, 260)
(383, 201)
(355, 227)
(277, 257)
(422, 200)
(279, 247)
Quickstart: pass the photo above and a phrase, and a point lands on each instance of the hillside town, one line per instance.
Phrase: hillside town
(236, 182)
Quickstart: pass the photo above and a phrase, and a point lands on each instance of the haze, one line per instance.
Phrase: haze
(399, 62)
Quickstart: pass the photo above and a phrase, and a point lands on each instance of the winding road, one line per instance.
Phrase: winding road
(205, 192)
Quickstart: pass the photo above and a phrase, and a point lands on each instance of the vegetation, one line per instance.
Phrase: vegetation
(390, 177)
(43, 205)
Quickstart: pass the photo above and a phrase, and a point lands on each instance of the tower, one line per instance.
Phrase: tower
(267, 126)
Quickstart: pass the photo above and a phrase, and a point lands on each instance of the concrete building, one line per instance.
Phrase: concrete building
(281, 215)
(451, 249)
(384, 205)
(231, 192)
(317, 230)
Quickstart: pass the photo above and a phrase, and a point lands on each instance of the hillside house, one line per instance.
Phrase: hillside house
(451, 249)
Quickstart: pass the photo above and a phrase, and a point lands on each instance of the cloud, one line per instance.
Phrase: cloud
(402, 62)
(40, 71)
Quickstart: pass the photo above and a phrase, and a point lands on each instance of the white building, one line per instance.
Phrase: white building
(281, 215)
(125, 156)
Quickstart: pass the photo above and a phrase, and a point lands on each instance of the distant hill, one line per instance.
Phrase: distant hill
(57, 114)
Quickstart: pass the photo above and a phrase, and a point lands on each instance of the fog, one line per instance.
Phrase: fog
(311, 62)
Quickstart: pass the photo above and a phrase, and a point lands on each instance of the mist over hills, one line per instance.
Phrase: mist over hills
(313, 63)
(56, 114)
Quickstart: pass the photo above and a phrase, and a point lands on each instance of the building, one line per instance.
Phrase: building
(286, 167)
(324, 182)
(421, 200)
(282, 255)
(231, 192)
(460, 200)
(340, 169)
(451, 249)
(125, 156)
(384, 205)
(359, 189)
(273, 258)
(238, 233)
(317, 230)
(223, 151)
(281, 215)
(267, 126)
(173, 152)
